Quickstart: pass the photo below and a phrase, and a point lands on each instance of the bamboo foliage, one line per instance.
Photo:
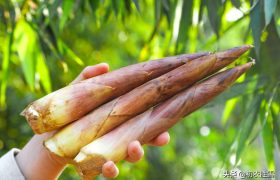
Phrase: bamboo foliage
(64, 36)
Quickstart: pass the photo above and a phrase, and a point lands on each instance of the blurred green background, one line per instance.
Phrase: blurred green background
(44, 44)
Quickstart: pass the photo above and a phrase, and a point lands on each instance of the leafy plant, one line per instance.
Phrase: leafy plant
(46, 43)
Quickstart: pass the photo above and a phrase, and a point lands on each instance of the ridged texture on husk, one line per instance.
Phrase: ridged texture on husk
(74, 101)
(68, 141)
(146, 126)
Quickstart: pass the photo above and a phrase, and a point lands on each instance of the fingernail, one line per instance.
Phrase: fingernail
(110, 166)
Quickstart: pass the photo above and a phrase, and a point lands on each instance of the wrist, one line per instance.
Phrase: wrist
(35, 161)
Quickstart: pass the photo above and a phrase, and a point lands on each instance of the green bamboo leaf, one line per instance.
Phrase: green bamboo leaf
(136, 3)
(267, 129)
(201, 9)
(247, 126)
(66, 51)
(108, 14)
(157, 11)
(185, 23)
(166, 4)
(127, 6)
(31, 56)
(25, 43)
(116, 6)
(275, 112)
(43, 71)
(52, 7)
(5, 66)
(267, 136)
(229, 107)
(265, 111)
(269, 9)
(231, 103)
(256, 25)
(67, 7)
(94, 4)
(83, 6)
(167, 10)
(236, 3)
(158, 5)
(215, 11)
(277, 19)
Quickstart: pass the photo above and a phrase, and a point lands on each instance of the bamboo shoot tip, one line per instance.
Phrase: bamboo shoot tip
(51, 146)
(251, 46)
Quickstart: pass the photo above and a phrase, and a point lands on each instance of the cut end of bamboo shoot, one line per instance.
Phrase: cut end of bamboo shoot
(33, 119)
(53, 148)
(80, 157)
(87, 168)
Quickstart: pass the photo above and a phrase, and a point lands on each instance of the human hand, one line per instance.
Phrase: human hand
(135, 151)
(41, 163)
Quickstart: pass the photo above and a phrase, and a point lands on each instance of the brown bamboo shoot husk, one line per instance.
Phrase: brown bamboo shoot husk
(146, 126)
(69, 140)
(74, 101)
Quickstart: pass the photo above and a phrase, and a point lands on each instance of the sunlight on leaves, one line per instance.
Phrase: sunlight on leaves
(26, 45)
(67, 7)
(256, 26)
(5, 67)
(43, 72)
(246, 127)
(66, 51)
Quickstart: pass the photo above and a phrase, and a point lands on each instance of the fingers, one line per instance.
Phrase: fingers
(110, 170)
(91, 71)
(135, 152)
(161, 140)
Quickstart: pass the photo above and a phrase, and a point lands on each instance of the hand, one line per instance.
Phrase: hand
(135, 151)
(35, 161)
